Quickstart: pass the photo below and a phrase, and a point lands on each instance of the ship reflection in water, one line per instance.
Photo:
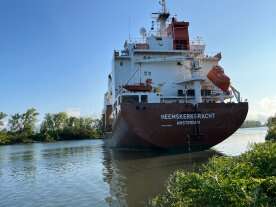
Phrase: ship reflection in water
(83, 173)
(134, 178)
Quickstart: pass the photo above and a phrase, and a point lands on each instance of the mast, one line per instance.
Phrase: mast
(164, 6)
(162, 17)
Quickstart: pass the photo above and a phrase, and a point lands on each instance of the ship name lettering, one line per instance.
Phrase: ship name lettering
(187, 116)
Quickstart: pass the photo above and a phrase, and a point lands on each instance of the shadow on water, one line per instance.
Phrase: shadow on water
(136, 177)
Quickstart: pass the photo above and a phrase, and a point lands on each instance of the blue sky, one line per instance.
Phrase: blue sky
(55, 54)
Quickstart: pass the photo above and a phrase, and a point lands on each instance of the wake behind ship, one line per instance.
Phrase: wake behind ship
(164, 92)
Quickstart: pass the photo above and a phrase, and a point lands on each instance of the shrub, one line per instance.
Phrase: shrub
(271, 135)
(248, 180)
(4, 138)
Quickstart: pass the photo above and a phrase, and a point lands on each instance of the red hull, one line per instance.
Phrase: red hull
(176, 126)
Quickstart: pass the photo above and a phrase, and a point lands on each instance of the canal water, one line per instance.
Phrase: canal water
(83, 173)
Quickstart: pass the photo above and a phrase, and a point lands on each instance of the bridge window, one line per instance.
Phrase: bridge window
(144, 99)
(130, 99)
(191, 93)
(180, 93)
(147, 73)
(206, 92)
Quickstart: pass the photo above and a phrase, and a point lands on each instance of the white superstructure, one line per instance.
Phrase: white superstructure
(176, 68)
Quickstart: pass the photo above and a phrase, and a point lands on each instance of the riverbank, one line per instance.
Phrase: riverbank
(34, 141)
(23, 128)
(246, 180)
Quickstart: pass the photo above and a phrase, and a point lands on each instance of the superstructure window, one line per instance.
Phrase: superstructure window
(180, 93)
(147, 73)
(191, 92)
(130, 99)
(206, 92)
(144, 99)
(181, 44)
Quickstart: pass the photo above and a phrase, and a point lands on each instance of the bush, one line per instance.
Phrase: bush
(248, 180)
(4, 138)
(271, 123)
(271, 134)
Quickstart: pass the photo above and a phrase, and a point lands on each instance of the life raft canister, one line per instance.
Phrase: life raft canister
(218, 78)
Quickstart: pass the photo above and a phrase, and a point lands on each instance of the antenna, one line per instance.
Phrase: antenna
(162, 17)
(129, 28)
(164, 5)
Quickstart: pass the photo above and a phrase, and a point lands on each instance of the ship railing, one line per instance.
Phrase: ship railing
(137, 40)
(121, 53)
(178, 99)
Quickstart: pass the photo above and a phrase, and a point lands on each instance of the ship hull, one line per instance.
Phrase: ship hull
(177, 126)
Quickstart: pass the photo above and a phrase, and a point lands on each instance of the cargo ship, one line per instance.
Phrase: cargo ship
(165, 92)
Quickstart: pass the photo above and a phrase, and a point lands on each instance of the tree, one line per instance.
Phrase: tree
(271, 123)
(4, 138)
(15, 123)
(47, 128)
(24, 123)
(2, 116)
(60, 120)
(22, 126)
(72, 122)
(29, 119)
(62, 127)
(98, 126)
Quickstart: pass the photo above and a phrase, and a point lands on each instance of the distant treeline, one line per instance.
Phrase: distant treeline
(22, 128)
(252, 124)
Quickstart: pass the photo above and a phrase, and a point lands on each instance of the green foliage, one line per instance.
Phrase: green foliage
(29, 119)
(47, 129)
(4, 138)
(248, 180)
(22, 126)
(61, 127)
(271, 123)
(2, 116)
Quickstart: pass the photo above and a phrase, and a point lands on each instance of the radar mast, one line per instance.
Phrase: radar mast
(162, 17)
(164, 5)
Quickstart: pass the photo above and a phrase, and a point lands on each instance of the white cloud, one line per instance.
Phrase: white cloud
(268, 105)
(263, 109)
(73, 112)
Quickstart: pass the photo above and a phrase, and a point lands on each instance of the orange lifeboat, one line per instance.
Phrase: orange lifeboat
(142, 87)
(218, 77)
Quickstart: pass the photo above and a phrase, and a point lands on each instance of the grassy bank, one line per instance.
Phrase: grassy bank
(23, 128)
